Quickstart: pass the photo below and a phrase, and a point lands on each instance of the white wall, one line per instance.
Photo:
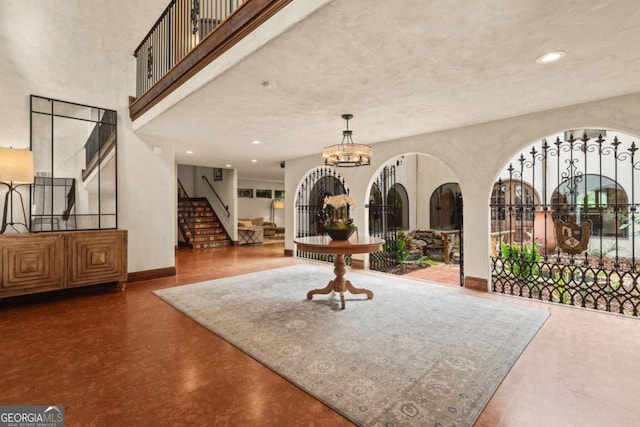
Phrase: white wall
(186, 177)
(258, 207)
(475, 155)
(53, 50)
(432, 173)
(226, 189)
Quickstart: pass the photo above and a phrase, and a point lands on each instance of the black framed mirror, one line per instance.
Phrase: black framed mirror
(74, 152)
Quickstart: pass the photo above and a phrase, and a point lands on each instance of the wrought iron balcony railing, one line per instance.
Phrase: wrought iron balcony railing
(188, 36)
(180, 28)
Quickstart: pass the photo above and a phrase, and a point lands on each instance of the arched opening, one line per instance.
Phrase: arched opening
(325, 186)
(563, 227)
(518, 219)
(420, 251)
(398, 199)
(310, 215)
(443, 207)
(310, 200)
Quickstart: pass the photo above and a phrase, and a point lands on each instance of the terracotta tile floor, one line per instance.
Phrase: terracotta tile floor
(441, 273)
(129, 359)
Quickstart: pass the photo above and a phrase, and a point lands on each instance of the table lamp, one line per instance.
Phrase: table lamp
(16, 169)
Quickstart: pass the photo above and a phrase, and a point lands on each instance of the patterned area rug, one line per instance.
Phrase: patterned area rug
(416, 354)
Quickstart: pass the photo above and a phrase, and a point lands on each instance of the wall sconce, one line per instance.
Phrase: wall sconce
(16, 169)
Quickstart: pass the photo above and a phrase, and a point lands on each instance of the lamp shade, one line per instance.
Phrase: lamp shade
(278, 204)
(16, 166)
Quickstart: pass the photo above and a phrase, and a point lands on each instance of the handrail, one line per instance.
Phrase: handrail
(182, 194)
(71, 201)
(226, 207)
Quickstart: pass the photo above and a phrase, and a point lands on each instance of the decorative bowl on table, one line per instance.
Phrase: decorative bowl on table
(340, 234)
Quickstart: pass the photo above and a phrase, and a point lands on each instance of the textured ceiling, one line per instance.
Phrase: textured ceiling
(403, 68)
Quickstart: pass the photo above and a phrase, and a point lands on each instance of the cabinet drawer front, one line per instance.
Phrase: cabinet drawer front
(97, 258)
(31, 264)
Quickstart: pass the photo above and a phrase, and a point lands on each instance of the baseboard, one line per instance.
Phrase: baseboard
(139, 276)
(288, 252)
(476, 284)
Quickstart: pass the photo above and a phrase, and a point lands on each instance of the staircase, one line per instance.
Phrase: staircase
(199, 225)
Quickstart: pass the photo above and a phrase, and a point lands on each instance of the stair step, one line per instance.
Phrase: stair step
(200, 225)
(199, 214)
(198, 220)
(207, 225)
(196, 230)
(212, 232)
(212, 238)
(211, 244)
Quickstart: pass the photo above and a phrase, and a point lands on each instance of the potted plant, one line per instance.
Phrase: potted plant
(339, 226)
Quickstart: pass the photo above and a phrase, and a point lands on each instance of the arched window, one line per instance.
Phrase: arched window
(376, 209)
(398, 198)
(443, 207)
(513, 204)
(592, 197)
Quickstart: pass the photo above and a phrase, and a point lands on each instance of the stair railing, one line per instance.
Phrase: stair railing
(226, 207)
(188, 219)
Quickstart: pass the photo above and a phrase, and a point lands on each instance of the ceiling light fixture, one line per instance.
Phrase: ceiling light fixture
(227, 165)
(551, 57)
(254, 161)
(189, 152)
(255, 142)
(347, 154)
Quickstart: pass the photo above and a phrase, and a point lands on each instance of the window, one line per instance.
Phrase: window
(596, 198)
(443, 207)
(398, 200)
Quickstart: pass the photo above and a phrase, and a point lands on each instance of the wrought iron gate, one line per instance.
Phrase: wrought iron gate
(382, 220)
(564, 224)
(318, 184)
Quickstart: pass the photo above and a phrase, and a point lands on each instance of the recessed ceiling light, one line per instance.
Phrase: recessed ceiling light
(267, 84)
(254, 161)
(227, 166)
(189, 152)
(255, 141)
(551, 57)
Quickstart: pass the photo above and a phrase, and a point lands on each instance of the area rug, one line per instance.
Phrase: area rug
(416, 354)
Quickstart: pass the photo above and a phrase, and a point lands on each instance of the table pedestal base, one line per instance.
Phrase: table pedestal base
(339, 284)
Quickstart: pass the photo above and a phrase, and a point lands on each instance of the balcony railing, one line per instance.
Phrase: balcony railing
(188, 36)
(180, 28)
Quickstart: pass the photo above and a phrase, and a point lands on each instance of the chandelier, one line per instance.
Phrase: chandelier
(347, 154)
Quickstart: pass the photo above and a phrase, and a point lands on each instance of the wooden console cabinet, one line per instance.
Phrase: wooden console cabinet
(40, 262)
